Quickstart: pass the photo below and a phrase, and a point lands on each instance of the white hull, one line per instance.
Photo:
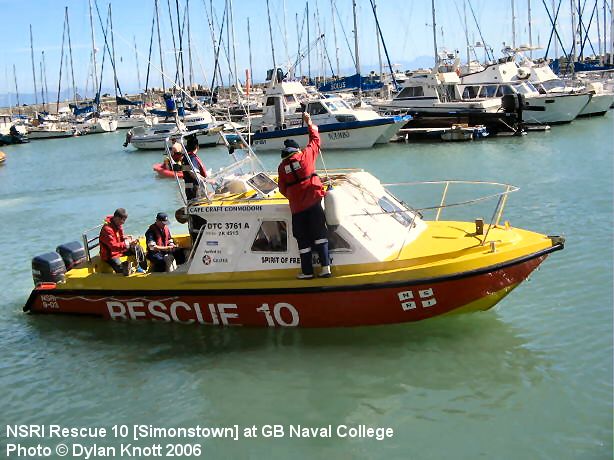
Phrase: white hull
(356, 138)
(100, 125)
(391, 131)
(558, 108)
(598, 105)
(49, 134)
(132, 122)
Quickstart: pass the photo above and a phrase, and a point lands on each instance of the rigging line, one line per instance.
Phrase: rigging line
(106, 43)
(345, 36)
(553, 22)
(150, 50)
(170, 15)
(217, 51)
(488, 55)
(57, 106)
(379, 30)
(72, 69)
(195, 101)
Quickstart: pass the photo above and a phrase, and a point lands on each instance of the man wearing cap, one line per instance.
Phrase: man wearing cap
(160, 245)
(299, 183)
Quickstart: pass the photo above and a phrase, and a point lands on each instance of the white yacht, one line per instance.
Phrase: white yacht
(341, 126)
(505, 77)
(547, 82)
(433, 91)
(154, 137)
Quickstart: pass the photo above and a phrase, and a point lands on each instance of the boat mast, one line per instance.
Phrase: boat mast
(285, 33)
(234, 52)
(513, 24)
(45, 96)
(72, 70)
(16, 90)
(180, 60)
(191, 66)
(115, 83)
(467, 33)
(33, 68)
(573, 30)
(332, 16)
(160, 46)
(379, 47)
(249, 48)
(93, 50)
(308, 45)
(136, 59)
(434, 34)
(598, 34)
(530, 31)
(268, 11)
(356, 51)
(298, 45)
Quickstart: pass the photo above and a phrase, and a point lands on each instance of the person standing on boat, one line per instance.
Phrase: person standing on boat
(193, 169)
(160, 245)
(114, 244)
(299, 183)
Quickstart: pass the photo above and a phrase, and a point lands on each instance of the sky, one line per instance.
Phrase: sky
(406, 26)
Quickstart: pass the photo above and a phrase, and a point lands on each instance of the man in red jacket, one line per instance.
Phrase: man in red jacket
(299, 183)
(113, 243)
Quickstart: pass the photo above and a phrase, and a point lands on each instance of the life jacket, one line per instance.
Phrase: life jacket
(298, 180)
(162, 238)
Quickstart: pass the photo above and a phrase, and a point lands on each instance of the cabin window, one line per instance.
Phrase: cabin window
(400, 214)
(331, 106)
(290, 99)
(504, 90)
(272, 236)
(345, 118)
(411, 91)
(336, 243)
(270, 101)
(470, 92)
(316, 108)
(488, 91)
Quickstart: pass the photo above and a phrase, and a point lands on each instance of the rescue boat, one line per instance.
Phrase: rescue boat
(390, 264)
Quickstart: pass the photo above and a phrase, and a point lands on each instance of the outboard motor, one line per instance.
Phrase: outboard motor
(72, 254)
(48, 268)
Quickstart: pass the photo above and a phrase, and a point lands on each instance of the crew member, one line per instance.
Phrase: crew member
(161, 249)
(193, 169)
(299, 183)
(114, 244)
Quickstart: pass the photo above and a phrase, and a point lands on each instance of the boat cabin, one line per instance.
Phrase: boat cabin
(247, 226)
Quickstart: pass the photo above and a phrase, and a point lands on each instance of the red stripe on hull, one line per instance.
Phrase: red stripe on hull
(352, 307)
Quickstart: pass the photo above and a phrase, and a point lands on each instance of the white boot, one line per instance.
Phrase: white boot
(302, 276)
(325, 272)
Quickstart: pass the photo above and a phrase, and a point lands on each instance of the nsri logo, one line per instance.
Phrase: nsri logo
(410, 300)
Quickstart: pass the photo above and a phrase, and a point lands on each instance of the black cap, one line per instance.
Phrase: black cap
(162, 216)
(291, 143)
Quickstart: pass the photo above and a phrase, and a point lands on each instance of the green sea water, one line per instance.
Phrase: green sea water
(530, 379)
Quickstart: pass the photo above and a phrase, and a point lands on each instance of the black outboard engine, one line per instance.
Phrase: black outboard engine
(48, 268)
(72, 254)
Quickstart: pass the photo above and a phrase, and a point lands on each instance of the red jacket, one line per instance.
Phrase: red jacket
(111, 240)
(297, 176)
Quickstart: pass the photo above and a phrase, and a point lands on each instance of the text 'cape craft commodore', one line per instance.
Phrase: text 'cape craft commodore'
(389, 263)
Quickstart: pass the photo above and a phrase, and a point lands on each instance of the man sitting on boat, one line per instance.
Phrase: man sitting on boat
(161, 249)
(113, 243)
(299, 183)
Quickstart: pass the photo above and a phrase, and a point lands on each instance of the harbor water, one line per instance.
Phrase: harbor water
(530, 379)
